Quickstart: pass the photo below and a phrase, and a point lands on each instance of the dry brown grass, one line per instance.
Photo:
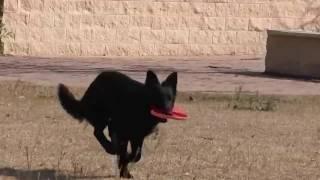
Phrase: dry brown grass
(38, 140)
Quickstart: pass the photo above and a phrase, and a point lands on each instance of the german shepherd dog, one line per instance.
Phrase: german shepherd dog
(122, 104)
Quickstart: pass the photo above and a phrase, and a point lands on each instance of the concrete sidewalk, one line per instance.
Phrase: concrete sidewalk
(209, 74)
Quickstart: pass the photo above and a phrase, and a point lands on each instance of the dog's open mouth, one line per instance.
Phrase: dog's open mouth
(160, 114)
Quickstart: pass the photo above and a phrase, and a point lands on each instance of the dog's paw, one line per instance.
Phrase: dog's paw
(125, 174)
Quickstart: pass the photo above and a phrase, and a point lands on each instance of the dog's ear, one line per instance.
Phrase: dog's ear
(151, 78)
(171, 81)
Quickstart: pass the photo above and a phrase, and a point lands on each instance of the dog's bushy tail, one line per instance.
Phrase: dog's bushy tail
(70, 103)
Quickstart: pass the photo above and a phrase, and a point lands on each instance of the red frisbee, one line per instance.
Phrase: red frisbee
(176, 113)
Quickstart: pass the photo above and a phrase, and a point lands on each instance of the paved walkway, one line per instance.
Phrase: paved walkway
(210, 74)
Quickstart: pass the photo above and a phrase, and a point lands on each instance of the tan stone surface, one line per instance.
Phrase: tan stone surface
(224, 74)
(151, 28)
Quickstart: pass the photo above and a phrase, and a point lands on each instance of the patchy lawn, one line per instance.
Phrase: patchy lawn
(234, 136)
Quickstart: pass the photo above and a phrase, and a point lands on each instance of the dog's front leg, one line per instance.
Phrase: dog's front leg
(105, 143)
(124, 160)
(136, 147)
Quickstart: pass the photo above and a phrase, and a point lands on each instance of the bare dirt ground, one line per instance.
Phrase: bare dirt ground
(226, 137)
(210, 74)
(235, 136)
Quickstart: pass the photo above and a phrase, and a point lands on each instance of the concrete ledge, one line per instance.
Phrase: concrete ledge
(293, 53)
(302, 34)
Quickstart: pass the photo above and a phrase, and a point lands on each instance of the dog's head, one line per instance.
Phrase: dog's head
(163, 94)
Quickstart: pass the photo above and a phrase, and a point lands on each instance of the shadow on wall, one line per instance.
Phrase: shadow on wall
(311, 17)
(43, 174)
(1, 27)
(4, 32)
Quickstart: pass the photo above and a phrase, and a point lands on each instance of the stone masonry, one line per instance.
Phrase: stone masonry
(151, 27)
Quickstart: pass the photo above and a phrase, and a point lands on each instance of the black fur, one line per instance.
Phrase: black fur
(123, 105)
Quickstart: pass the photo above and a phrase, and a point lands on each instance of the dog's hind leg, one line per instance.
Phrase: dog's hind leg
(105, 143)
(136, 146)
(123, 160)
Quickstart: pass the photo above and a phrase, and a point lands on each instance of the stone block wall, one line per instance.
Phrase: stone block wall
(151, 27)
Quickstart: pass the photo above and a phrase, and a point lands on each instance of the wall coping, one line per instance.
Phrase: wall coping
(293, 33)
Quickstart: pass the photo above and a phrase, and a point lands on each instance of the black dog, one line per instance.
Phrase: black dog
(123, 104)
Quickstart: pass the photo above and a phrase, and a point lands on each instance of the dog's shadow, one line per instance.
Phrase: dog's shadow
(44, 174)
